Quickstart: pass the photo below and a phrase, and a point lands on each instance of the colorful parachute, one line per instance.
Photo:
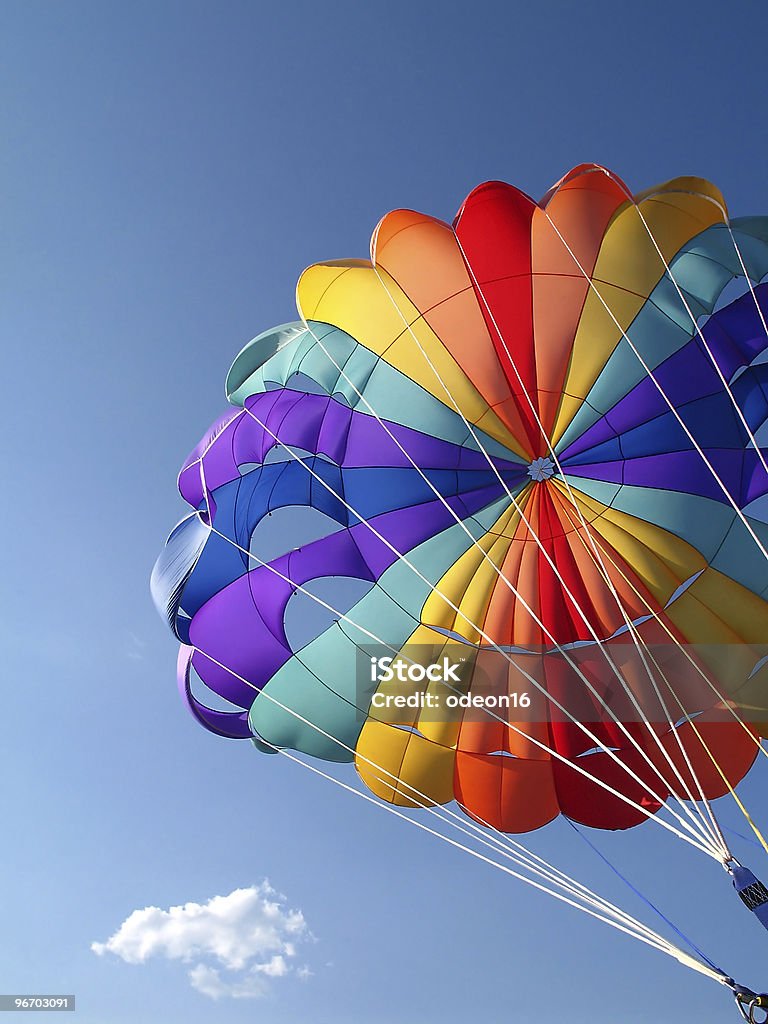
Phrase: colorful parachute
(538, 432)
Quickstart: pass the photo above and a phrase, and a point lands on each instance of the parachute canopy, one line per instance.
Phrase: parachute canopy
(535, 436)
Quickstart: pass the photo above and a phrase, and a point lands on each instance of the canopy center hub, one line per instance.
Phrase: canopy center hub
(541, 469)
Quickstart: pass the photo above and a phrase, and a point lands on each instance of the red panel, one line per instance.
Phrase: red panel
(588, 803)
(494, 231)
(559, 613)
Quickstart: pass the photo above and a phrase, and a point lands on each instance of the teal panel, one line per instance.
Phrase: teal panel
(701, 522)
(668, 300)
(304, 696)
(598, 489)
(740, 557)
(758, 509)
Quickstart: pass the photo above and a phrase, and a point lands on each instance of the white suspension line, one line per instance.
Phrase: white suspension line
(726, 702)
(663, 945)
(714, 852)
(406, 561)
(726, 385)
(694, 815)
(696, 818)
(693, 839)
(712, 826)
(650, 373)
(616, 917)
(606, 576)
(498, 842)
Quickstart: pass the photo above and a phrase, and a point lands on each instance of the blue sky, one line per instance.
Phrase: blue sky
(168, 169)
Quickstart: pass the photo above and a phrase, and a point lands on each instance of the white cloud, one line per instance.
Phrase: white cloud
(235, 942)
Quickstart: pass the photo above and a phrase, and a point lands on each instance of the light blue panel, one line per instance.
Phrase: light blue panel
(304, 696)
(709, 526)
(398, 399)
(435, 556)
(667, 299)
(751, 234)
(246, 373)
(332, 347)
(703, 275)
(598, 489)
(716, 245)
(354, 378)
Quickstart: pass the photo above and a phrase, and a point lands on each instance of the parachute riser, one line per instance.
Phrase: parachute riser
(753, 1006)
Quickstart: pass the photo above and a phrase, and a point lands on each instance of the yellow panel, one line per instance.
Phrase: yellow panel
(744, 613)
(469, 584)
(314, 282)
(630, 264)
(596, 338)
(470, 581)
(418, 762)
(701, 188)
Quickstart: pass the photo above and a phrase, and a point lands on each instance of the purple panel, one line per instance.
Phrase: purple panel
(319, 425)
(610, 472)
(349, 438)
(190, 484)
(735, 334)
(230, 724)
(686, 376)
(674, 471)
(248, 614)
